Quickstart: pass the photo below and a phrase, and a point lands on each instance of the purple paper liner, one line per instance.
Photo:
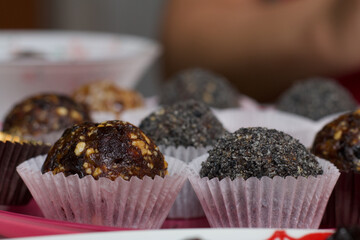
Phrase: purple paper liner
(343, 208)
(267, 202)
(137, 203)
(13, 191)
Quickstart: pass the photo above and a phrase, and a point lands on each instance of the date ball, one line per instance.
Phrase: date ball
(259, 152)
(106, 96)
(188, 123)
(110, 149)
(316, 98)
(200, 85)
(339, 142)
(44, 113)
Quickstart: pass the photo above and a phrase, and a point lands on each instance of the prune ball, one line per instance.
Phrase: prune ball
(339, 142)
(258, 152)
(44, 113)
(200, 85)
(108, 97)
(316, 98)
(110, 149)
(188, 124)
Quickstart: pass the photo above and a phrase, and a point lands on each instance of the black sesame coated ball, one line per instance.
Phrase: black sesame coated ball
(258, 152)
(188, 123)
(200, 85)
(316, 98)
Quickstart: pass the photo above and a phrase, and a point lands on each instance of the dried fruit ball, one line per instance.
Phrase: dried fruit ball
(110, 149)
(316, 98)
(339, 142)
(107, 96)
(188, 123)
(200, 85)
(44, 113)
(258, 152)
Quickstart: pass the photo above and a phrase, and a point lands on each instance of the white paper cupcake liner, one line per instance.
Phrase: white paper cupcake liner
(264, 203)
(187, 204)
(136, 203)
(299, 127)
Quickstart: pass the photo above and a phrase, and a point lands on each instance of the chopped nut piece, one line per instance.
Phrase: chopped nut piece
(79, 148)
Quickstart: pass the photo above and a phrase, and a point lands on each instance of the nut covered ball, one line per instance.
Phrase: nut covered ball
(339, 142)
(110, 149)
(107, 96)
(44, 113)
(259, 152)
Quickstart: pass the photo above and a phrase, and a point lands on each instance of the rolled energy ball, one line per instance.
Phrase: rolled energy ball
(316, 98)
(339, 142)
(258, 152)
(188, 123)
(107, 96)
(110, 149)
(200, 85)
(44, 113)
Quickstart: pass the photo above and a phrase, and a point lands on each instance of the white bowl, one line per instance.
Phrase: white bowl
(59, 61)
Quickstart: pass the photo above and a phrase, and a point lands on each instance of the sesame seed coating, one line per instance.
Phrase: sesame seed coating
(200, 85)
(316, 98)
(339, 142)
(110, 149)
(258, 152)
(188, 123)
(44, 113)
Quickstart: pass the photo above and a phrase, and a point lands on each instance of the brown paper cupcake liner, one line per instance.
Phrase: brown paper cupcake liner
(267, 202)
(187, 204)
(138, 203)
(14, 151)
(343, 208)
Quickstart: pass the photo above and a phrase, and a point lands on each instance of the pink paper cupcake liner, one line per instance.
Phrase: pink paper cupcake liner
(264, 203)
(187, 204)
(130, 204)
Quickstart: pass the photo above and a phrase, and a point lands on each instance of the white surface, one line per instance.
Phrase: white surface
(183, 234)
(68, 60)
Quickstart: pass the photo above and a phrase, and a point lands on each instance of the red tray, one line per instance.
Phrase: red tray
(26, 221)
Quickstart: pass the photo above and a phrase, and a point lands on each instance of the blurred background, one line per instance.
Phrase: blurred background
(134, 17)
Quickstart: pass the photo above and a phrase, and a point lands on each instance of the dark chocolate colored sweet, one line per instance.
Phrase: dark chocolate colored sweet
(188, 123)
(316, 98)
(339, 142)
(110, 149)
(258, 152)
(44, 113)
(200, 85)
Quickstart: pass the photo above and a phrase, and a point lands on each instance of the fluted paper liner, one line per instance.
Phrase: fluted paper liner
(299, 127)
(49, 138)
(14, 151)
(343, 208)
(129, 204)
(264, 203)
(187, 204)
